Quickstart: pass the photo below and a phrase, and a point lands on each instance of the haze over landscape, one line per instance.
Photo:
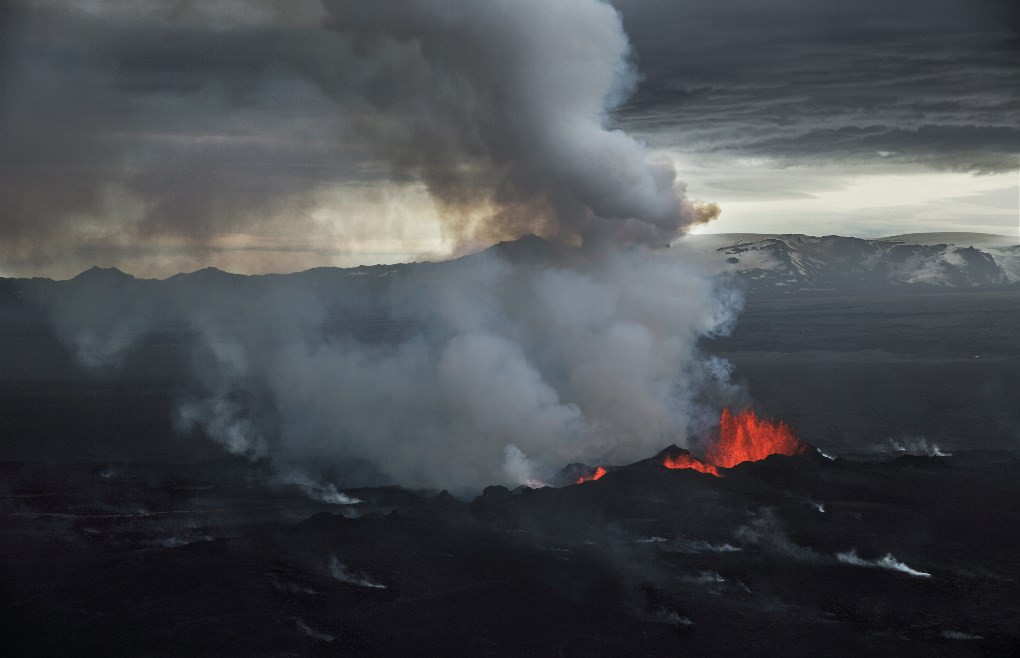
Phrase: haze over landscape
(518, 327)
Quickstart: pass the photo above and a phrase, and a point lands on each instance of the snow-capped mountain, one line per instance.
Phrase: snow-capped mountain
(793, 262)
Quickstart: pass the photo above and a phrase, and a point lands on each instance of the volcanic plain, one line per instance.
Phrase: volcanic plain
(893, 533)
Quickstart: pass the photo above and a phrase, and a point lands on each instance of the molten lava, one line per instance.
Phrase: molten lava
(599, 472)
(742, 438)
(687, 461)
(747, 438)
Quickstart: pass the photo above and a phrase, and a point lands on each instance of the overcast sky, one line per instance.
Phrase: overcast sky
(163, 136)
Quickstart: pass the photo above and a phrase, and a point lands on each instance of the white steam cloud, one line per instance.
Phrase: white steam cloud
(512, 373)
(915, 445)
(472, 372)
(486, 369)
(886, 562)
(765, 531)
(505, 104)
(340, 571)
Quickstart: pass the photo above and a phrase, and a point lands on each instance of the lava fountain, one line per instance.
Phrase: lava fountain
(689, 461)
(746, 438)
(743, 437)
(599, 472)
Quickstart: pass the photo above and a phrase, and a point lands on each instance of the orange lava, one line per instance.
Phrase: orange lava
(687, 461)
(747, 438)
(742, 438)
(599, 472)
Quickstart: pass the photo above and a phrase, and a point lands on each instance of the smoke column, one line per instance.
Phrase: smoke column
(504, 105)
(508, 363)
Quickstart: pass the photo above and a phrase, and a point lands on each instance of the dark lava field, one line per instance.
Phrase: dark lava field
(898, 535)
(787, 556)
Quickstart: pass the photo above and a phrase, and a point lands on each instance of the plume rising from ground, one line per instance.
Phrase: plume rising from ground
(498, 367)
(504, 367)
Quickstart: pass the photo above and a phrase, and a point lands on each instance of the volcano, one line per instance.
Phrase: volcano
(746, 438)
(742, 437)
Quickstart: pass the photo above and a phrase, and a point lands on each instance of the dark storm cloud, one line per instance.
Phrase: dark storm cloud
(919, 81)
(979, 149)
(130, 122)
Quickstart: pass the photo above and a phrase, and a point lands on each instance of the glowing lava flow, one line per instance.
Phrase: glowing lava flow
(599, 472)
(742, 438)
(747, 438)
(687, 461)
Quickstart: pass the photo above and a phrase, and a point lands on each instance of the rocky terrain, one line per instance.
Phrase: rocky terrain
(791, 555)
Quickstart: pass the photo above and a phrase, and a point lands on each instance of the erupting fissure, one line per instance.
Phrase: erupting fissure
(743, 437)
(747, 438)
(689, 461)
(599, 472)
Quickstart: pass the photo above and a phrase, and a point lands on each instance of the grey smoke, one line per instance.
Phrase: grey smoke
(959, 635)
(327, 493)
(521, 90)
(502, 372)
(343, 573)
(512, 373)
(157, 129)
(885, 562)
(508, 369)
(915, 445)
(765, 531)
(695, 546)
(312, 633)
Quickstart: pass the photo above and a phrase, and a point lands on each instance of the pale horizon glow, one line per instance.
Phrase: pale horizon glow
(866, 205)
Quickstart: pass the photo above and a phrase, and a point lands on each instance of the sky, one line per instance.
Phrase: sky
(160, 136)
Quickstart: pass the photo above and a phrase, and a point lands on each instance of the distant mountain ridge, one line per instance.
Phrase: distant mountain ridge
(769, 264)
(958, 238)
(787, 263)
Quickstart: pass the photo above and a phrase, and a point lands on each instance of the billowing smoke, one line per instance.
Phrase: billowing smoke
(510, 372)
(499, 367)
(486, 369)
(170, 134)
(504, 104)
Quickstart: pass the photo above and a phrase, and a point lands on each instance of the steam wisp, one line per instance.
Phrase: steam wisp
(885, 562)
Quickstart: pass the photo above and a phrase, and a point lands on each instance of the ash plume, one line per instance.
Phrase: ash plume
(171, 133)
(494, 370)
(511, 362)
(504, 105)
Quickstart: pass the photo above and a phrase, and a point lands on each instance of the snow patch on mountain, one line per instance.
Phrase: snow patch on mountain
(792, 262)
